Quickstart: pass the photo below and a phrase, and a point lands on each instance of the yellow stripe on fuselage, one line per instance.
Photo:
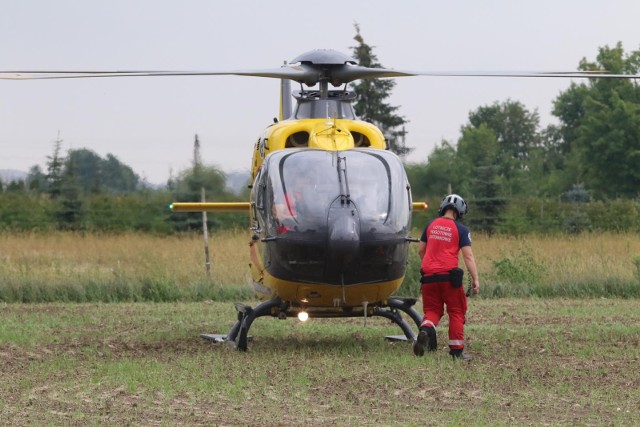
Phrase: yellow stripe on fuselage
(325, 295)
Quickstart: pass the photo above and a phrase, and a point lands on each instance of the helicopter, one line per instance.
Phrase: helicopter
(330, 210)
(330, 207)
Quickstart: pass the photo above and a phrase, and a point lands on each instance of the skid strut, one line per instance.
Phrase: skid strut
(392, 312)
(238, 336)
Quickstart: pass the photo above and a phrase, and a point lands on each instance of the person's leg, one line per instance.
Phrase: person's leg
(456, 302)
(433, 307)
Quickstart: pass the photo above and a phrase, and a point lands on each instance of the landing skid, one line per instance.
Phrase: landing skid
(396, 338)
(392, 312)
(239, 337)
(219, 337)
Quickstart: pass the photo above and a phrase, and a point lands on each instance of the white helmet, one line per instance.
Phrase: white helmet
(455, 202)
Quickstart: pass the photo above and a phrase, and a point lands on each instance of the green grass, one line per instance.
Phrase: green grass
(138, 289)
(68, 267)
(536, 362)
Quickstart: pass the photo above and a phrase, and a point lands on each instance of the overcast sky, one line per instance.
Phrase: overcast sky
(149, 123)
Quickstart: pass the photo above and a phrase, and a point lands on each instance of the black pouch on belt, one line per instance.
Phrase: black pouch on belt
(455, 277)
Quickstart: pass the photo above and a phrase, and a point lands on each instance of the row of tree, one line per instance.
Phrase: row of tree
(83, 191)
(502, 156)
(596, 145)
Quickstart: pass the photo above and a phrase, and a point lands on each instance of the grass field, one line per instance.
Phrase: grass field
(136, 267)
(536, 362)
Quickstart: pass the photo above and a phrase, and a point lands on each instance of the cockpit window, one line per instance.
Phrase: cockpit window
(324, 108)
(303, 187)
(304, 184)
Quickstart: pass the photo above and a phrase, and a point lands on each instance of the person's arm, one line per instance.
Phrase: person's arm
(422, 249)
(470, 262)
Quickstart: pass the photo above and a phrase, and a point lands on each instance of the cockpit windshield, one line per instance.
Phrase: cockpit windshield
(302, 186)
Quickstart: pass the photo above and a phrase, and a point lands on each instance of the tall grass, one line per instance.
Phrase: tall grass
(587, 265)
(56, 266)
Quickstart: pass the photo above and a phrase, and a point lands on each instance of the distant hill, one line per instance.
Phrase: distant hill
(8, 175)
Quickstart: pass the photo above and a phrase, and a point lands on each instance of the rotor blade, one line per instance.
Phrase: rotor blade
(550, 74)
(300, 73)
(348, 73)
(310, 74)
(86, 72)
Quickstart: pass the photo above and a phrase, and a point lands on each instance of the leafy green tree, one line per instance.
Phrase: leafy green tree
(516, 131)
(87, 169)
(372, 105)
(600, 125)
(188, 187)
(437, 175)
(610, 146)
(569, 107)
(36, 179)
(478, 146)
(552, 163)
(95, 174)
(117, 176)
(188, 184)
(515, 127)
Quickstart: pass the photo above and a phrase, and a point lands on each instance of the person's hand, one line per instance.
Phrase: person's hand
(476, 286)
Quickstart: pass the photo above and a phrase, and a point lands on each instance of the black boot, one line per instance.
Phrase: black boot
(458, 354)
(426, 339)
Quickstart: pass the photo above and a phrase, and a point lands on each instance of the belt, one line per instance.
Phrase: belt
(435, 278)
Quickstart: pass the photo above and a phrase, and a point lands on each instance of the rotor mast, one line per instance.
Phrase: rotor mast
(324, 88)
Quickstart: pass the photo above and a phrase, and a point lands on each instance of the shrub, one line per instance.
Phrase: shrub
(520, 268)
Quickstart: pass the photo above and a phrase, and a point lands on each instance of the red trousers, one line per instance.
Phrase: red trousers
(434, 297)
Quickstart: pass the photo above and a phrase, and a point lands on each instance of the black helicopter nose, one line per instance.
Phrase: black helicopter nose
(344, 232)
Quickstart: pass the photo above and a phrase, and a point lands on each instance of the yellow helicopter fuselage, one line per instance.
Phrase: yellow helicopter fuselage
(326, 140)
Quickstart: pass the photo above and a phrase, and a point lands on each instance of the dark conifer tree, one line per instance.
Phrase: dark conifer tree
(371, 105)
(55, 165)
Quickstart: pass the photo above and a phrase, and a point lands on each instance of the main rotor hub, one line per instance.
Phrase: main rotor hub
(325, 64)
(324, 57)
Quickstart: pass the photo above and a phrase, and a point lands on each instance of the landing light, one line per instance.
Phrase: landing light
(303, 316)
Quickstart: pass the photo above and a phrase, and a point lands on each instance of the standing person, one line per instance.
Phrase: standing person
(440, 244)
